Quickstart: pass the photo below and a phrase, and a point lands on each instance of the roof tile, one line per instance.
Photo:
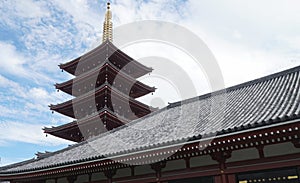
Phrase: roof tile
(271, 99)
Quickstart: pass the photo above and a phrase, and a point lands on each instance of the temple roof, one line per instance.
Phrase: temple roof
(105, 68)
(89, 126)
(67, 108)
(265, 102)
(90, 60)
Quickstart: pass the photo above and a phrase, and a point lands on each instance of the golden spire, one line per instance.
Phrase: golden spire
(107, 25)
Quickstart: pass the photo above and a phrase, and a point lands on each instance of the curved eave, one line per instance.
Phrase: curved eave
(66, 108)
(128, 58)
(60, 108)
(86, 120)
(92, 93)
(96, 71)
(67, 86)
(238, 130)
(71, 66)
(140, 90)
(49, 130)
(72, 131)
(102, 160)
(64, 131)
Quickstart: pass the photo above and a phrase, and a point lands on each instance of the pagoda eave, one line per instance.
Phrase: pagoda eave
(138, 91)
(77, 130)
(70, 67)
(66, 133)
(113, 53)
(111, 73)
(66, 108)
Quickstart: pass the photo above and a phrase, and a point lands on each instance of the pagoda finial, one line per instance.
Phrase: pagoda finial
(107, 25)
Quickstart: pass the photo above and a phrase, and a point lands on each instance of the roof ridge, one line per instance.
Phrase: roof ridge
(90, 93)
(237, 86)
(17, 164)
(264, 78)
(228, 129)
(207, 95)
(88, 118)
(79, 57)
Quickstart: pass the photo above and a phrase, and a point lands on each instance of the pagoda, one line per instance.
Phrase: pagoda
(253, 138)
(105, 88)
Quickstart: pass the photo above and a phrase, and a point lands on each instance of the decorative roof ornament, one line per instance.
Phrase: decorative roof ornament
(107, 25)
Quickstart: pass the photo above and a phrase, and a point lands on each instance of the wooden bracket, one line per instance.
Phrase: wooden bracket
(260, 150)
(71, 179)
(221, 157)
(110, 173)
(296, 143)
(157, 167)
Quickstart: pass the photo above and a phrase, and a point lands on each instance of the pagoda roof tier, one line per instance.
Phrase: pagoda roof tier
(103, 97)
(256, 113)
(108, 72)
(87, 127)
(102, 53)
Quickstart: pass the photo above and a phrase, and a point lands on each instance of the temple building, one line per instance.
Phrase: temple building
(105, 88)
(253, 137)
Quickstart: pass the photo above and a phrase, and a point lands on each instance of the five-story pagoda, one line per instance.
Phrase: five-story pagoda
(105, 88)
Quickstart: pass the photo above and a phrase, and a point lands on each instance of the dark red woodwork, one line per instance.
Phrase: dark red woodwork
(110, 74)
(217, 179)
(109, 174)
(106, 51)
(296, 143)
(231, 178)
(71, 179)
(187, 163)
(95, 84)
(243, 166)
(105, 88)
(88, 127)
(261, 151)
(157, 167)
(106, 96)
(264, 164)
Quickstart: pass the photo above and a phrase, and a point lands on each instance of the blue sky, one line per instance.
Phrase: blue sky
(249, 39)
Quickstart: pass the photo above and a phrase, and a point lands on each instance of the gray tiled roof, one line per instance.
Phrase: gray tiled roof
(268, 100)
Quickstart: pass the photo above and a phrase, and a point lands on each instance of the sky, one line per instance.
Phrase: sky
(249, 39)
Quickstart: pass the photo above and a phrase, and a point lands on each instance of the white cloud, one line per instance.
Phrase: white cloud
(30, 9)
(38, 99)
(4, 82)
(249, 39)
(46, 37)
(29, 104)
(240, 62)
(81, 11)
(16, 63)
(131, 10)
(36, 94)
(7, 160)
(241, 35)
(28, 133)
(11, 60)
(27, 9)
